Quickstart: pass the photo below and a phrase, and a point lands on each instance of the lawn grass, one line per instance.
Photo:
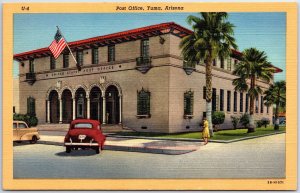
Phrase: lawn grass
(220, 135)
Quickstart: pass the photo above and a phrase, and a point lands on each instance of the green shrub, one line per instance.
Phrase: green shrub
(218, 118)
(245, 120)
(30, 120)
(234, 121)
(265, 121)
(259, 123)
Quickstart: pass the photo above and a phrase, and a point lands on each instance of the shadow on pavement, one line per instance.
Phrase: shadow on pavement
(21, 143)
(77, 153)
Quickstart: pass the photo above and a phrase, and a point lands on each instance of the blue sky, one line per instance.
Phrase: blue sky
(265, 31)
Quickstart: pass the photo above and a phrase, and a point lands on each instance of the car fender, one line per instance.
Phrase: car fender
(28, 136)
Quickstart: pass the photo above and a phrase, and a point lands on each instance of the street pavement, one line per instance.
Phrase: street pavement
(149, 145)
(254, 158)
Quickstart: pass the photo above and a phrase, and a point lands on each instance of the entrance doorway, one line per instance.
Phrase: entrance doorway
(80, 98)
(67, 106)
(112, 105)
(54, 107)
(96, 104)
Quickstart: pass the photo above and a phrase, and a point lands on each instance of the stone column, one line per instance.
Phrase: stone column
(88, 106)
(120, 108)
(74, 109)
(48, 111)
(104, 108)
(60, 110)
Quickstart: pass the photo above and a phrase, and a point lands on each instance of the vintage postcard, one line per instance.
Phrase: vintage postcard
(150, 96)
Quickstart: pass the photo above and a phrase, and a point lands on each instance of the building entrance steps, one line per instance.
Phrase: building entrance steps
(107, 128)
(53, 127)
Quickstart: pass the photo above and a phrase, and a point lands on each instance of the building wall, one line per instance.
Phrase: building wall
(166, 81)
(16, 96)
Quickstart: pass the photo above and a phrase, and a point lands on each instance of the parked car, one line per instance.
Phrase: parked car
(282, 123)
(21, 132)
(84, 133)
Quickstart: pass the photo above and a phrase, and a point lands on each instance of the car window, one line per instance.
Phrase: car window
(22, 125)
(15, 125)
(83, 125)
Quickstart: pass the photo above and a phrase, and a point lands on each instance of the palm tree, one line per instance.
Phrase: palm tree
(253, 65)
(212, 37)
(276, 95)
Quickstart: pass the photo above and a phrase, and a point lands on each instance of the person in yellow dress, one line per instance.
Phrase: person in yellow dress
(205, 131)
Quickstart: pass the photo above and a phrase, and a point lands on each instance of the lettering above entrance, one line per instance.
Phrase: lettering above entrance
(85, 71)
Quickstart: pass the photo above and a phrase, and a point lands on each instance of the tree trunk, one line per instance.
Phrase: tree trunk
(251, 127)
(209, 94)
(276, 127)
(208, 117)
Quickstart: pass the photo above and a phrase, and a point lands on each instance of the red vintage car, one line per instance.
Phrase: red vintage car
(84, 133)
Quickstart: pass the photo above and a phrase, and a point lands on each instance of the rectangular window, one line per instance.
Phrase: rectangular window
(145, 48)
(268, 109)
(241, 101)
(203, 115)
(31, 106)
(143, 103)
(228, 101)
(256, 105)
(235, 101)
(214, 99)
(31, 66)
(79, 57)
(95, 58)
(14, 109)
(229, 64)
(222, 63)
(111, 53)
(214, 62)
(65, 60)
(188, 103)
(261, 104)
(247, 103)
(204, 92)
(221, 100)
(52, 63)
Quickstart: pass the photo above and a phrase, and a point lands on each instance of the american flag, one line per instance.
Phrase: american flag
(57, 45)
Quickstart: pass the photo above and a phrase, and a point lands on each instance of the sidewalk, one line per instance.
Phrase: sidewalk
(135, 145)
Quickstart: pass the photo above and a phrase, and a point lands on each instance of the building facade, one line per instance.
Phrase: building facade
(136, 78)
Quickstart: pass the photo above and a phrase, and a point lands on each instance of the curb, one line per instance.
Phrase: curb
(194, 140)
(252, 137)
(130, 149)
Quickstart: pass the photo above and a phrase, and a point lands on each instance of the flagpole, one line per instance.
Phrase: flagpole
(78, 66)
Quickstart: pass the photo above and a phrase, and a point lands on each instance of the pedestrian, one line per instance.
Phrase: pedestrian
(205, 131)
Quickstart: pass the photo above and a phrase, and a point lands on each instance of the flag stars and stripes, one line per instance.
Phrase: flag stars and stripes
(57, 45)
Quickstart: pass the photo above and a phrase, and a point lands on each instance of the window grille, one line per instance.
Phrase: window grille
(111, 53)
(52, 63)
(65, 60)
(143, 103)
(188, 102)
(31, 106)
(221, 100)
(95, 59)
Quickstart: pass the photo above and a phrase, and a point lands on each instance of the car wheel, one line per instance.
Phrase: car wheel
(97, 149)
(33, 140)
(68, 150)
